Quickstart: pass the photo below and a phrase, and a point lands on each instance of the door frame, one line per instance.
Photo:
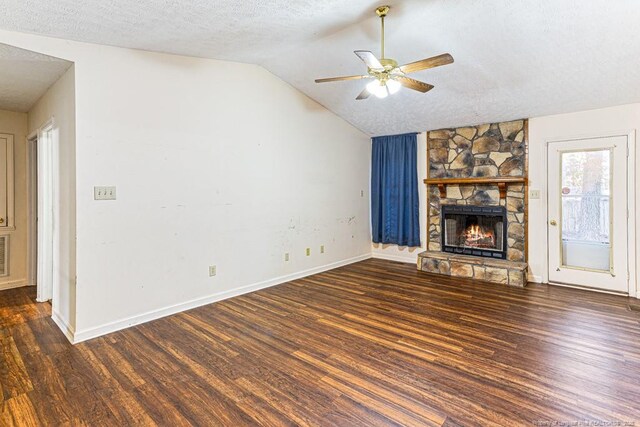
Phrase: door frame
(32, 208)
(632, 279)
(42, 254)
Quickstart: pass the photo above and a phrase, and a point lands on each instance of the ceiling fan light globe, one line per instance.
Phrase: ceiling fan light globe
(373, 86)
(393, 86)
(382, 93)
(378, 89)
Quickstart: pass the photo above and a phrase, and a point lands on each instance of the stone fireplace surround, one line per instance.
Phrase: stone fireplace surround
(484, 165)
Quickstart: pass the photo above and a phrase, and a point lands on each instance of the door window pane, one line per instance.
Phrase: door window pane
(585, 203)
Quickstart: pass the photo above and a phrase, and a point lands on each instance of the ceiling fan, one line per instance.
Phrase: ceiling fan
(388, 76)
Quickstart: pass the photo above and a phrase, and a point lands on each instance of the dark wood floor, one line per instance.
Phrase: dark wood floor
(374, 343)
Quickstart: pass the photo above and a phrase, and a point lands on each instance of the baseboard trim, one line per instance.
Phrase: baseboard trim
(534, 278)
(397, 258)
(66, 329)
(588, 289)
(13, 284)
(87, 334)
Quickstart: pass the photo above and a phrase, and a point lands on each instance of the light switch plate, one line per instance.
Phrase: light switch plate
(104, 193)
(534, 194)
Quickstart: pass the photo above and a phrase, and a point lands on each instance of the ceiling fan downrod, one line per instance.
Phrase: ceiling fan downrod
(382, 12)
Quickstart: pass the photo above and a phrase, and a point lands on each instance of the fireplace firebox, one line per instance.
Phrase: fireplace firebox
(474, 230)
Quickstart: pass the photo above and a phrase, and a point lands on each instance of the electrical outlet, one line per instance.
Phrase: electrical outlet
(104, 193)
(286, 256)
(361, 193)
(212, 270)
(322, 249)
(534, 194)
(308, 251)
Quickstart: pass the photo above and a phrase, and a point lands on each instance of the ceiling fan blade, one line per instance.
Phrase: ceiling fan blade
(369, 59)
(364, 94)
(424, 64)
(414, 84)
(338, 79)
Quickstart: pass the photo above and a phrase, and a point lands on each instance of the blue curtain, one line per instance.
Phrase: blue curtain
(395, 214)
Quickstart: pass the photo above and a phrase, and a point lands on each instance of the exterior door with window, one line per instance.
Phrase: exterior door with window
(587, 229)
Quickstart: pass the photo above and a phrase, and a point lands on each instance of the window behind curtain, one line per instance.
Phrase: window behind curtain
(395, 216)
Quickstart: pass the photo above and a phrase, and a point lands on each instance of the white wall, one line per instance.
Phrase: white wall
(215, 163)
(606, 121)
(403, 253)
(59, 103)
(16, 124)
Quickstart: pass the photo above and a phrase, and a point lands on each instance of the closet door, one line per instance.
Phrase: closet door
(6, 179)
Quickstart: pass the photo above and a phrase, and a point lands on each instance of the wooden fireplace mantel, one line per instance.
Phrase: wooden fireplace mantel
(501, 182)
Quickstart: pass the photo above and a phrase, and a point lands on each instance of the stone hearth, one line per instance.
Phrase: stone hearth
(486, 269)
(496, 150)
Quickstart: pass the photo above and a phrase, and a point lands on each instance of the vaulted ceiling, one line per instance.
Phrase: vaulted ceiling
(514, 59)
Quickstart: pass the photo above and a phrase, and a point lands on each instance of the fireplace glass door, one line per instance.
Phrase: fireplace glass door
(474, 230)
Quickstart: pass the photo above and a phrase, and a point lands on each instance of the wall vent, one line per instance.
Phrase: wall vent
(4, 256)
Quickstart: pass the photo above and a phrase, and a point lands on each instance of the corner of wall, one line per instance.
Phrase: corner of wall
(66, 329)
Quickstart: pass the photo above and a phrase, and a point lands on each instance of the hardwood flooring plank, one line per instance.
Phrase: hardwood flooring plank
(346, 411)
(19, 411)
(14, 379)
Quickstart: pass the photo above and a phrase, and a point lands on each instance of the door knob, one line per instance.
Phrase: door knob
(1, 220)
(553, 222)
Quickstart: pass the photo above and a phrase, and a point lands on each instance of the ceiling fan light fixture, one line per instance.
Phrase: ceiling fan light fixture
(393, 86)
(378, 88)
(387, 76)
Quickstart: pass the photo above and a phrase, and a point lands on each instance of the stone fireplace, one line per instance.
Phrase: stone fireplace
(477, 203)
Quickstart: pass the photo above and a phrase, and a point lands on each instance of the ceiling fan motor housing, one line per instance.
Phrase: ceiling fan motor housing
(388, 64)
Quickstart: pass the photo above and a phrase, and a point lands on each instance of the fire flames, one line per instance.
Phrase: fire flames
(479, 237)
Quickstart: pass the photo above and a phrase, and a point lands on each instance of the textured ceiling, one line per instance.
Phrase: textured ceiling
(514, 58)
(25, 76)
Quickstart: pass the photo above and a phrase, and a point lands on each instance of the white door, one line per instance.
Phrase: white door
(45, 214)
(6, 143)
(587, 227)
